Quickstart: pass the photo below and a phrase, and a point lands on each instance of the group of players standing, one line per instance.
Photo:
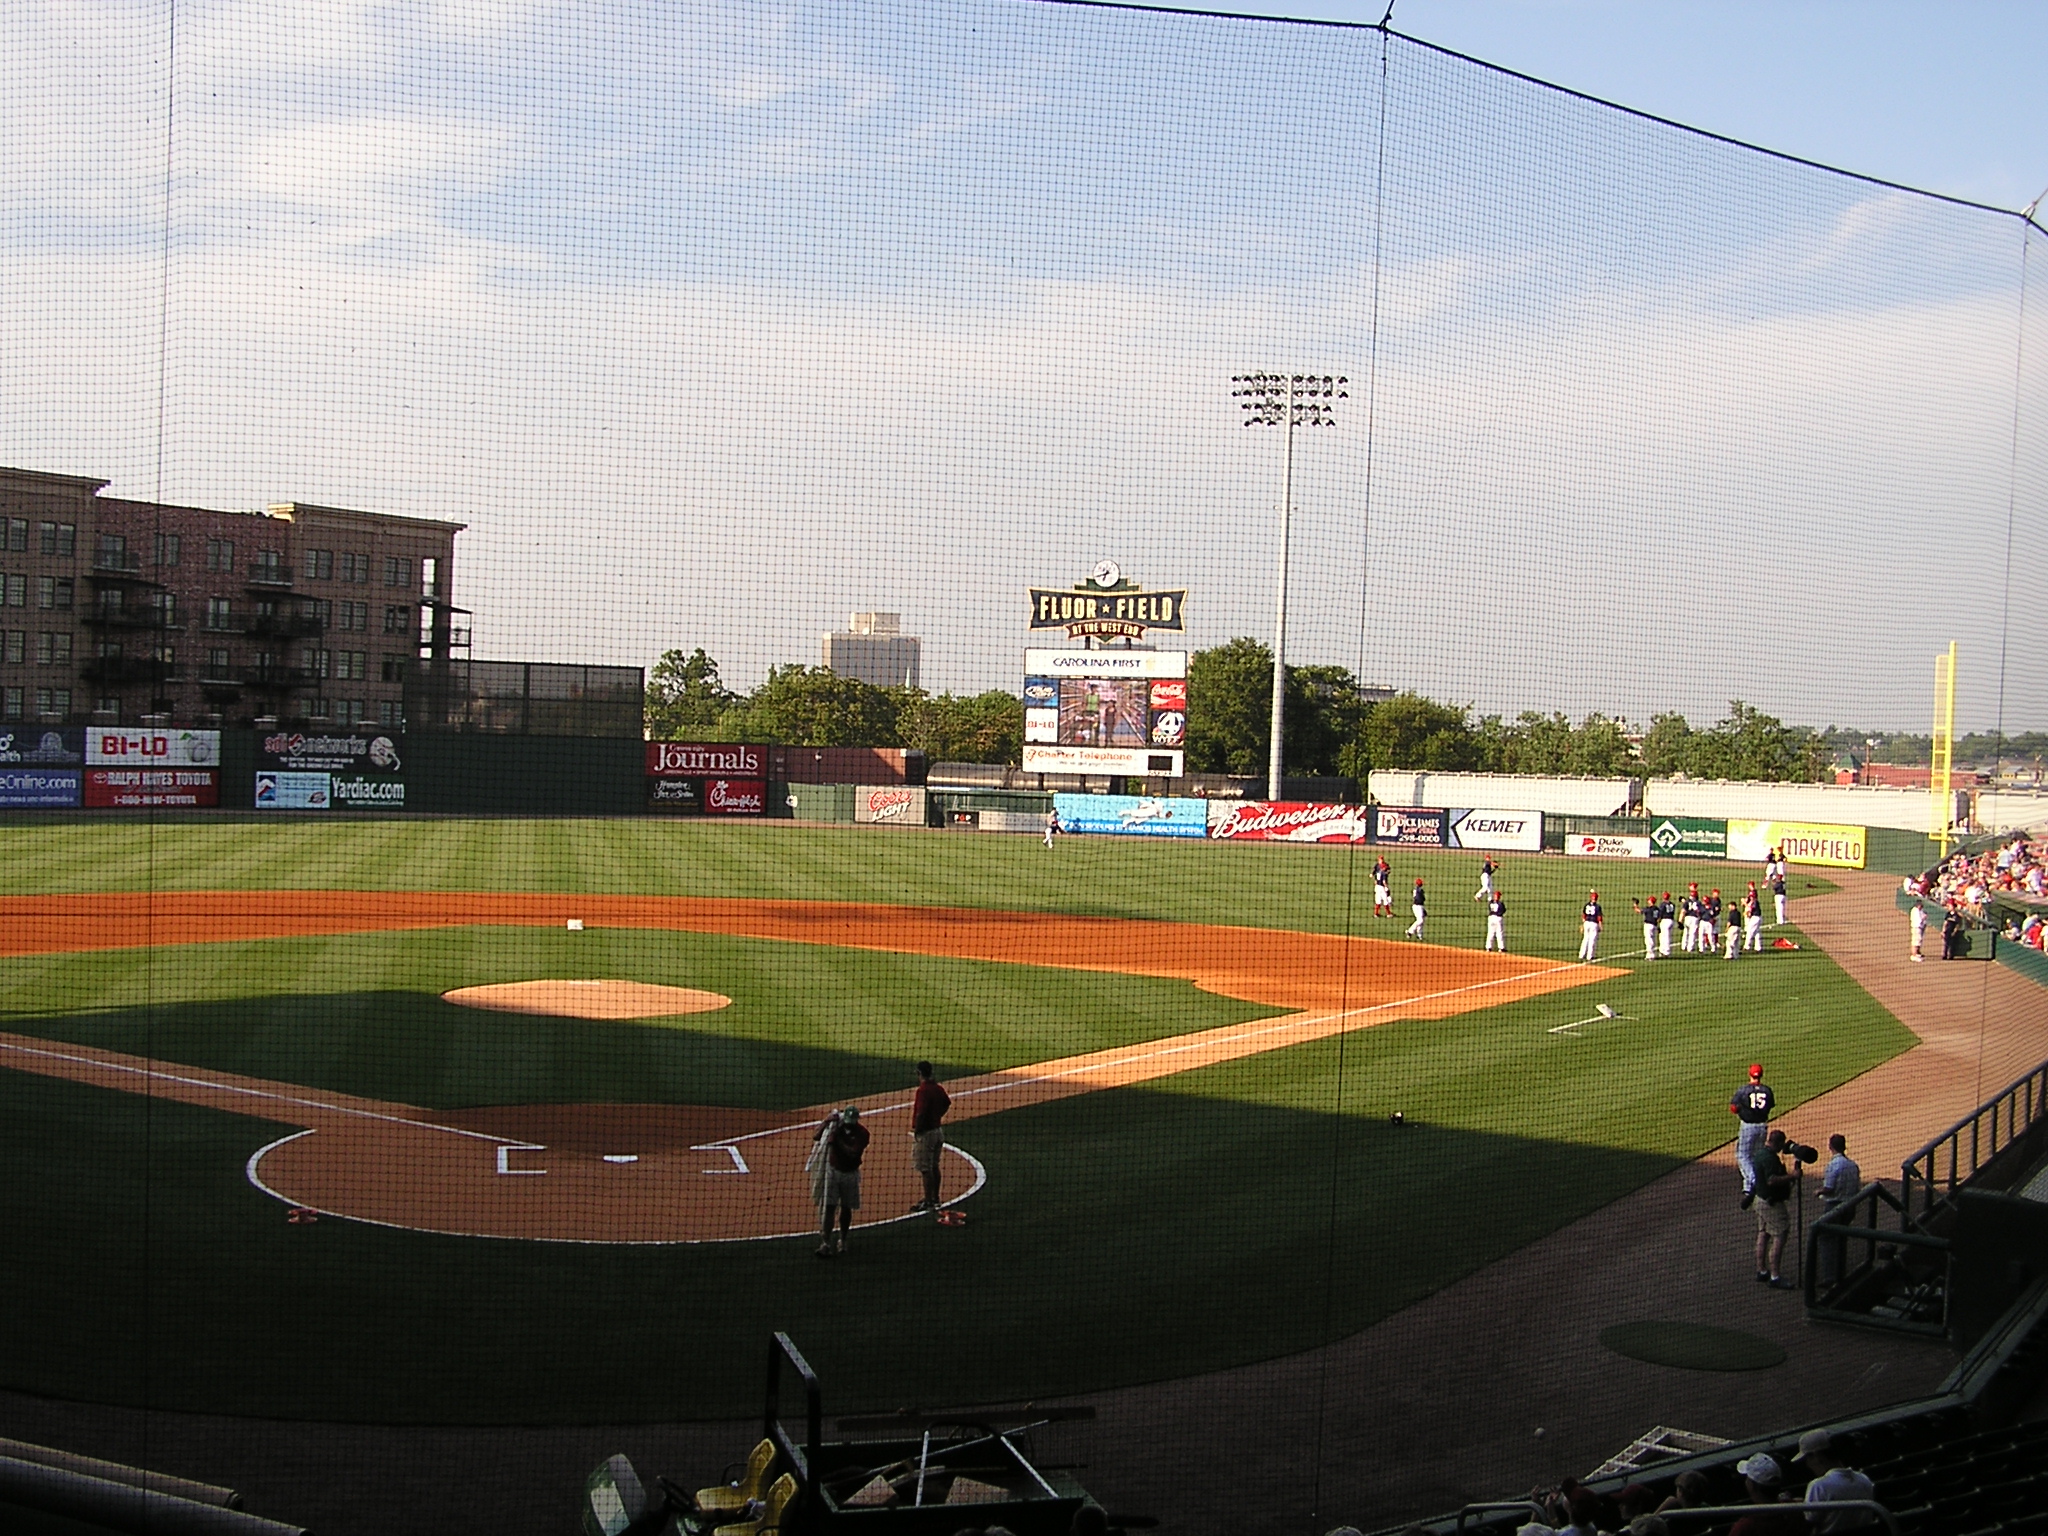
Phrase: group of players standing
(1705, 918)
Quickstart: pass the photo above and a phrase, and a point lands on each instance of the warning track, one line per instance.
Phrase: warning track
(706, 1173)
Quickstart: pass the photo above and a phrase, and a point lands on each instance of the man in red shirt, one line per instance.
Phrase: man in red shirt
(846, 1143)
(927, 1136)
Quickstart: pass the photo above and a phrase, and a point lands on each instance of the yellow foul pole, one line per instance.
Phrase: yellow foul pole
(1940, 792)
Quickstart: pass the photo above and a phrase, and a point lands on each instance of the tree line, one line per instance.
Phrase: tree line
(1332, 727)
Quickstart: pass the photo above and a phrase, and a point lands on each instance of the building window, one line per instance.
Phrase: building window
(348, 711)
(110, 650)
(394, 669)
(355, 616)
(17, 591)
(10, 703)
(17, 535)
(108, 706)
(319, 565)
(352, 666)
(269, 565)
(167, 658)
(60, 538)
(317, 708)
(220, 554)
(168, 548)
(430, 576)
(51, 591)
(53, 649)
(315, 662)
(220, 613)
(319, 608)
(17, 645)
(113, 551)
(390, 714)
(163, 608)
(356, 568)
(218, 664)
(397, 571)
(53, 701)
(398, 621)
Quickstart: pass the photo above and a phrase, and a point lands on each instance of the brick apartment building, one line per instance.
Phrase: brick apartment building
(113, 612)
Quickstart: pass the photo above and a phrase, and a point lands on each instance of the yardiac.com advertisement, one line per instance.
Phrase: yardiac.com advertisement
(159, 769)
(345, 771)
(1282, 821)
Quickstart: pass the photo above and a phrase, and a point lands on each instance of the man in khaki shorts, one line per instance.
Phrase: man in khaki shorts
(1773, 1212)
(928, 1137)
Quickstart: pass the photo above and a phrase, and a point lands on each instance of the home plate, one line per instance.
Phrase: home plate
(622, 1157)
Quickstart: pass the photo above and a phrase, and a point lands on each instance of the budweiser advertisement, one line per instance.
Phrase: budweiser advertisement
(706, 759)
(1284, 821)
(735, 797)
(893, 805)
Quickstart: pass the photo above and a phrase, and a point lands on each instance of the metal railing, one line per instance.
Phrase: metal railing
(1858, 1269)
(1709, 1512)
(1930, 1178)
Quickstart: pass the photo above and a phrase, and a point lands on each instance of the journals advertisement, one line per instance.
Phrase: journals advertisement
(1497, 831)
(114, 747)
(1598, 846)
(1133, 815)
(1802, 842)
(889, 805)
(286, 791)
(706, 759)
(735, 797)
(38, 788)
(361, 770)
(157, 788)
(1408, 827)
(1288, 821)
(1689, 837)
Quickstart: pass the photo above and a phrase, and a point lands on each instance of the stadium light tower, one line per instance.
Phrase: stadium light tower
(1286, 400)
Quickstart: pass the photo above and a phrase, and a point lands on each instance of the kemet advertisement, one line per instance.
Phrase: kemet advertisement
(1497, 831)
(707, 778)
(1802, 842)
(1688, 837)
(297, 771)
(41, 770)
(1133, 815)
(158, 769)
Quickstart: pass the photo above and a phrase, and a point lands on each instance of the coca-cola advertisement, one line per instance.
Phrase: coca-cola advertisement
(898, 805)
(1285, 821)
(735, 797)
(706, 759)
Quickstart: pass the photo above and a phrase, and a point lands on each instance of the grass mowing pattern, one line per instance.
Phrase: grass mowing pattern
(1127, 1235)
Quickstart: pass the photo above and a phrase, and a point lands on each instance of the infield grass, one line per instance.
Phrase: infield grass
(1225, 1215)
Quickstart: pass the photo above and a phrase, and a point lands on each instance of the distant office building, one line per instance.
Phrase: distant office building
(875, 650)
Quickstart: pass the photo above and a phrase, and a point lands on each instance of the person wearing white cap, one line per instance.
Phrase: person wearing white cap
(1764, 1481)
(1835, 1480)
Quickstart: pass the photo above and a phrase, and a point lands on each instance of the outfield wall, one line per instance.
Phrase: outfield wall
(1559, 795)
(1863, 805)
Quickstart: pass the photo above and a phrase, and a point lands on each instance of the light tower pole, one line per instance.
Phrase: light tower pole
(1286, 400)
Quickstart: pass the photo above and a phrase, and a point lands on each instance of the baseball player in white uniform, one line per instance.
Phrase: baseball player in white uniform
(1753, 922)
(1919, 921)
(1590, 919)
(1667, 914)
(1486, 869)
(1496, 922)
(1693, 905)
(1382, 892)
(1647, 911)
(1416, 905)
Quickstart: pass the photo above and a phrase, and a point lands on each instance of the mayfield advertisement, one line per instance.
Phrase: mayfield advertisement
(1284, 821)
(1802, 842)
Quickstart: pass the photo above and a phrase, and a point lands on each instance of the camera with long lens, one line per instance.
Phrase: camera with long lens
(1799, 1152)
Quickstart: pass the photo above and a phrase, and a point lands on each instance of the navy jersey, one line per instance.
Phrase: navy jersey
(1694, 907)
(1714, 908)
(1778, 884)
(1592, 913)
(1416, 899)
(1487, 867)
(1752, 1103)
(1496, 907)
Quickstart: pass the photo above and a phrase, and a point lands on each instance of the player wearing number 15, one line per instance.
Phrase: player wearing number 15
(1752, 1105)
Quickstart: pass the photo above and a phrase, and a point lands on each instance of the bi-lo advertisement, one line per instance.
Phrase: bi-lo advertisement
(128, 769)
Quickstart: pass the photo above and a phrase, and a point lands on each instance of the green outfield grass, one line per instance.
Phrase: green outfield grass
(1221, 1216)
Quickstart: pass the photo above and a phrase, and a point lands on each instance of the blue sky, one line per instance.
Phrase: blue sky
(718, 321)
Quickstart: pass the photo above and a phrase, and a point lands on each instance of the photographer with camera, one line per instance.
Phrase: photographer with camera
(1774, 1187)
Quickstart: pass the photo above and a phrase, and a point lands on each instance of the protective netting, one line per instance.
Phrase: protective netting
(352, 881)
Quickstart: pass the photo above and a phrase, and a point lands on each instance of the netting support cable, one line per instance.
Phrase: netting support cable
(1338, 1118)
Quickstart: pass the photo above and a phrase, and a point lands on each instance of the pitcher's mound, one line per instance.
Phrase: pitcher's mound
(589, 999)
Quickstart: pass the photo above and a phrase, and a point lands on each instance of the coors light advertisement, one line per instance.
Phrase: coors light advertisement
(1282, 821)
(900, 805)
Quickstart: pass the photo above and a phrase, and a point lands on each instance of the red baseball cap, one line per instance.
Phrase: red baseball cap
(1756, 1069)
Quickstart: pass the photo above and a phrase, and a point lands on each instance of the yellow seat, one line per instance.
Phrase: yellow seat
(780, 1492)
(731, 1498)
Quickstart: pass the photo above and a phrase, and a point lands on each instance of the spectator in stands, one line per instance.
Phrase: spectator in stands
(1634, 1500)
(1648, 1525)
(1763, 1480)
(1952, 932)
(1840, 1182)
(1834, 1479)
(1691, 1491)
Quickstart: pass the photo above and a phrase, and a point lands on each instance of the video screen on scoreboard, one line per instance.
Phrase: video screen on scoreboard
(1108, 712)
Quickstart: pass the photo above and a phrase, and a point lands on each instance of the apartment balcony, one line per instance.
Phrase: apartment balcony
(284, 626)
(123, 570)
(126, 616)
(126, 669)
(221, 687)
(269, 578)
(276, 679)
